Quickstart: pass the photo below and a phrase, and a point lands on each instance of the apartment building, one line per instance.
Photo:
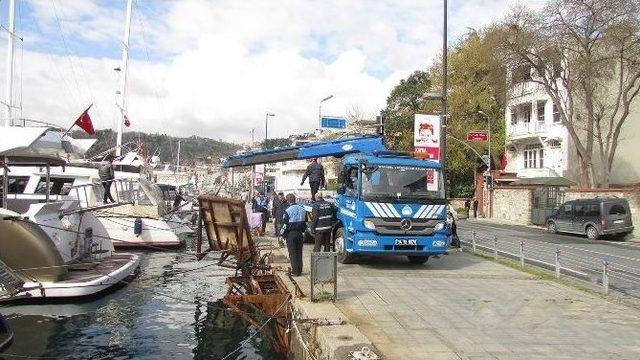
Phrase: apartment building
(537, 144)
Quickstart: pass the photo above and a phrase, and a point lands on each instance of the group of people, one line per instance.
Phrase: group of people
(290, 223)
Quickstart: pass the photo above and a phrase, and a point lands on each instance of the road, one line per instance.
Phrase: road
(579, 256)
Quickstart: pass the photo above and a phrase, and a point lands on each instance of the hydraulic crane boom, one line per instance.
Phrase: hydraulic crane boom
(361, 144)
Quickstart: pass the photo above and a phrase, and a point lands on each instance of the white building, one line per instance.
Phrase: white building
(537, 143)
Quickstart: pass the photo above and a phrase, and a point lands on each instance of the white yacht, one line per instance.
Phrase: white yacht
(51, 247)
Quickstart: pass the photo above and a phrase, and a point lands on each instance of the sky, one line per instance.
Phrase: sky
(214, 68)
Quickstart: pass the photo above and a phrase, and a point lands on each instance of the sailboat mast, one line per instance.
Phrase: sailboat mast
(9, 93)
(178, 162)
(123, 78)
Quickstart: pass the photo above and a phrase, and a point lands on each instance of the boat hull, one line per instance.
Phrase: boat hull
(108, 272)
(155, 233)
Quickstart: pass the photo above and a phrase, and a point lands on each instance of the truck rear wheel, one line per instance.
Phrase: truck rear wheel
(418, 260)
(343, 256)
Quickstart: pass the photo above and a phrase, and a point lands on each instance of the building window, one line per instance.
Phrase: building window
(533, 157)
(514, 116)
(556, 114)
(527, 113)
(554, 144)
(540, 110)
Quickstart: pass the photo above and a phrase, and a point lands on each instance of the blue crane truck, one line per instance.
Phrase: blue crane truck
(388, 203)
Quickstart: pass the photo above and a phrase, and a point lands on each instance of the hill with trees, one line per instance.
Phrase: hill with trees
(192, 148)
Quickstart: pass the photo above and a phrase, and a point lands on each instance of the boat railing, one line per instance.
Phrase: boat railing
(91, 196)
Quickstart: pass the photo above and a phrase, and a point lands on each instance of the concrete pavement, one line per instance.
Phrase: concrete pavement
(463, 307)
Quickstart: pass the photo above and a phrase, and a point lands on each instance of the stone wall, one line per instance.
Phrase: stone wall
(632, 195)
(512, 204)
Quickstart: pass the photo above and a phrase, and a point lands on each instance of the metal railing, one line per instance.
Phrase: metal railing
(123, 191)
(608, 271)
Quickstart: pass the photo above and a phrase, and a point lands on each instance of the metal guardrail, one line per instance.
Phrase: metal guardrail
(123, 191)
(611, 272)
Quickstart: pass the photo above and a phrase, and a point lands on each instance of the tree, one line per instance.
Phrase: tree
(477, 81)
(405, 100)
(585, 54)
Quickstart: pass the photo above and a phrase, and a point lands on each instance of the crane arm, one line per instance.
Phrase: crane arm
(338, 148)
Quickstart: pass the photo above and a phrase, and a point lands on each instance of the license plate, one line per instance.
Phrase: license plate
(407, 242)
(618, 221)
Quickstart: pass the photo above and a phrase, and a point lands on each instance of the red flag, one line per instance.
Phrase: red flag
(127, 123)
(84, 122)
(503, 160)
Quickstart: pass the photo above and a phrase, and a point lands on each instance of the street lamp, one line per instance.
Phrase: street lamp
(266, 133)
(320, 111)
(490, 177)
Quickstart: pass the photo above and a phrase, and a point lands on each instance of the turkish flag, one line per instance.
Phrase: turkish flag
(84, 122)
(127, 123)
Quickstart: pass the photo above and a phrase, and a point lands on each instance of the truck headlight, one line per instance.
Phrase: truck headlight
(369, 224)
(439, 243)
(440, 226)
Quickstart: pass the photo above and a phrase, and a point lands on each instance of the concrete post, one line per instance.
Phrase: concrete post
(605, 277)
(522, 253)
(557, 263)
(495, 247)
(473, 241)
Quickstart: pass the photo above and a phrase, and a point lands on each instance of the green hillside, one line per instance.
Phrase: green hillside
(192, 149)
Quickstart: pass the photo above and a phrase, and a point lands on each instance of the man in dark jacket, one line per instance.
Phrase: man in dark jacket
(293, 226)
(279, 204)
(315, 173)
(106, 174)
(321, 223)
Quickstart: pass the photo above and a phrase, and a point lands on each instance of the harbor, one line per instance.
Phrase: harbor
(396, 180)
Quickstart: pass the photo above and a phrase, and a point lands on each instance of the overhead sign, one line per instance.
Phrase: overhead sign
(426, 136)
(333, 122)
(478, 136)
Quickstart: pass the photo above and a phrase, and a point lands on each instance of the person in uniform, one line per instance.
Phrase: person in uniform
(315, 173)
(322, 215)
(293, 226)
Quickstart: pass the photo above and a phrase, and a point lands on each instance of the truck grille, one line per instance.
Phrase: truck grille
(394, 226)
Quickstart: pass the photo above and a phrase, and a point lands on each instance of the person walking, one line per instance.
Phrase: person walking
(279, 204)
(260, 204)
(315, 173)
(452, 218)
(293, 226)
(322, 214)
(107, 175)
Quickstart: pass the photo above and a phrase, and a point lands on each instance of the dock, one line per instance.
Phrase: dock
(458, 306)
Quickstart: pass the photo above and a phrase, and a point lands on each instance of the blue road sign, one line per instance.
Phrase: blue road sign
(333, 122)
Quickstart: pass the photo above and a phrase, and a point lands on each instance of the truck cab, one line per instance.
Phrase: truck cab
(390, 205)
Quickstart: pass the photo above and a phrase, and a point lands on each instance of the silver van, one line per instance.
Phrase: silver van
(600, 216)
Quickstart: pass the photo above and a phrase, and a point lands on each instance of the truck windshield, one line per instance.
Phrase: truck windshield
(400, 182)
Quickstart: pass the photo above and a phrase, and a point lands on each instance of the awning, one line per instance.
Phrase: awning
(545, 181)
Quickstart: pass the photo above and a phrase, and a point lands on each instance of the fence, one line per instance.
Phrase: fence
(609, 271)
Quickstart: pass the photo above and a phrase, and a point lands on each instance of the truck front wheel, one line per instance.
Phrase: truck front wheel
(343, 256)
(418, 260)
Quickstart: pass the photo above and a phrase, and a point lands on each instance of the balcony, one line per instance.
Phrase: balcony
(536, 172)
(523, 130)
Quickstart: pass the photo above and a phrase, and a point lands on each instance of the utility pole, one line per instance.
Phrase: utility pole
(444, 119)
(10, 37)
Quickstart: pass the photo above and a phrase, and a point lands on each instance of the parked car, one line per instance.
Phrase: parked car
(601, 216)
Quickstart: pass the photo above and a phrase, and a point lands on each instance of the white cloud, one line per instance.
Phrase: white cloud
(226, 63)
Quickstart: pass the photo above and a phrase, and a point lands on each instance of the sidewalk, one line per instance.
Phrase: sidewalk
(463, 307)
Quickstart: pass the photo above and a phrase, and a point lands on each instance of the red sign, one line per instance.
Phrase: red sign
(478, 136)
